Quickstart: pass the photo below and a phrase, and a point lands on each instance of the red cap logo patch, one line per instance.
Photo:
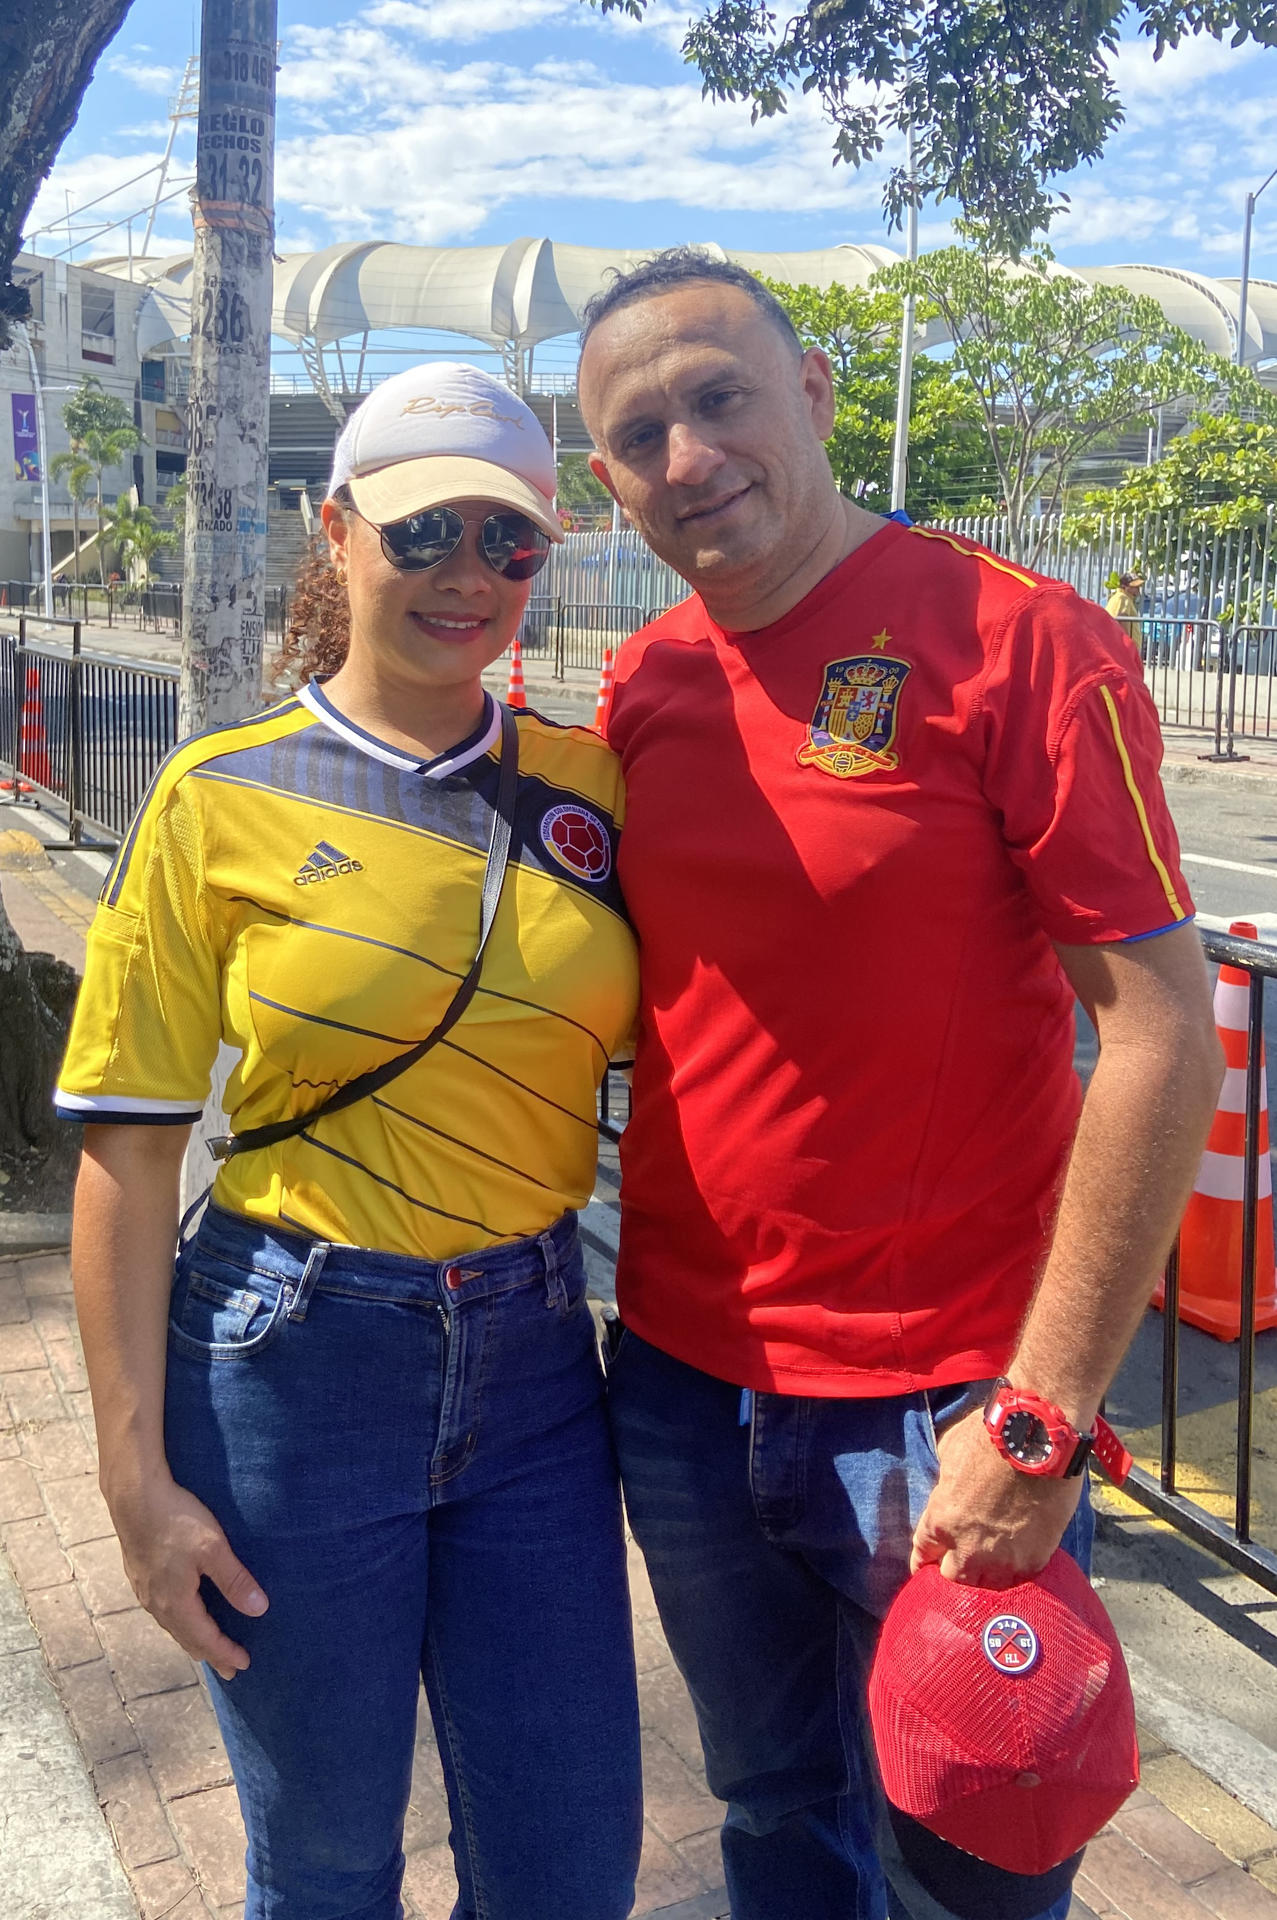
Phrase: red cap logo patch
(578, 840)
(1010, 1644)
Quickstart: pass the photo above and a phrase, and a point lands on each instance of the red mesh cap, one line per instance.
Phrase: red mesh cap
(1003, 1720)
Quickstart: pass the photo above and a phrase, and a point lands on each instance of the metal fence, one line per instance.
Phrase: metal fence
(1199, 585)
(155, 608)
(1159, 1491)
(84, 730)
(575, 634)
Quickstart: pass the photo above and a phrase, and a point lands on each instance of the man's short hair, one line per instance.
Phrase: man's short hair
(679, 267)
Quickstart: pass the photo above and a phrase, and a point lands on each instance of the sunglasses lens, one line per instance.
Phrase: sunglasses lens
(514, 545)
(423, 539)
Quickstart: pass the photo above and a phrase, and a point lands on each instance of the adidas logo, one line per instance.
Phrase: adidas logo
(325, 863)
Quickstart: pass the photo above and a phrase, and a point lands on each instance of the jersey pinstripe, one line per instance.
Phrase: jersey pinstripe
(310, 896)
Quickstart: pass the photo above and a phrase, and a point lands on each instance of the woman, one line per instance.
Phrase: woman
(375, 1447)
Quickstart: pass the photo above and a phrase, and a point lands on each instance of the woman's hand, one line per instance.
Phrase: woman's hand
(170, 1541)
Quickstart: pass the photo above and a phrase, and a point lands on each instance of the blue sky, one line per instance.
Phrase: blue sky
(434, 122)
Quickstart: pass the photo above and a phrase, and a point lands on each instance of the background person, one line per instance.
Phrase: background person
(891, 801)
(1124, 606)
(375, 1450)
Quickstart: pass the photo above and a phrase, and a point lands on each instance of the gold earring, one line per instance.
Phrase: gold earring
(341, 576)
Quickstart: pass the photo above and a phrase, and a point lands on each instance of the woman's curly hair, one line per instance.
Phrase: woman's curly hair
(318, 636)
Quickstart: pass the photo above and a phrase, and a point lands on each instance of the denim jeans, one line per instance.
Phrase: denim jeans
(413, 1460)
(777, 1530)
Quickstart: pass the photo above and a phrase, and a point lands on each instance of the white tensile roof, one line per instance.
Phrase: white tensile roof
(532, 290)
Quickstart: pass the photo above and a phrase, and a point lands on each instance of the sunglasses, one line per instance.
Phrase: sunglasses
(513, 546)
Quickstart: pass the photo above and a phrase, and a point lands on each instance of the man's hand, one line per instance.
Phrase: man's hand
(986, 1523)
(170, 1541)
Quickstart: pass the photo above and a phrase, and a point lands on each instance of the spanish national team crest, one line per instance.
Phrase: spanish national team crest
(854, 725)
(1010, 1644)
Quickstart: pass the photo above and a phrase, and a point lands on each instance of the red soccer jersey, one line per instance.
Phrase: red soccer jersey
(851, 839)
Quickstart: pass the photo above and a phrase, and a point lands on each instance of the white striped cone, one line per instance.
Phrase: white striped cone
(1210, 1237)
(604, 700)
(516, 693)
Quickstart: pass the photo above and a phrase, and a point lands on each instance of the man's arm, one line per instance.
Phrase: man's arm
(1139, 1141)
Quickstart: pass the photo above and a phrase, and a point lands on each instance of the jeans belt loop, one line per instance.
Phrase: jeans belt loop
(310, 1274)
(556, 1293)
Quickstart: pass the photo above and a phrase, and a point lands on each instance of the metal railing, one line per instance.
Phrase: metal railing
(575, 634)
(83, 730)
(154, 608)
(1159, 1492)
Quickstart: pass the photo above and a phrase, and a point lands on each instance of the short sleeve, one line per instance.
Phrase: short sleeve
(1072, 753)
(148, 1019)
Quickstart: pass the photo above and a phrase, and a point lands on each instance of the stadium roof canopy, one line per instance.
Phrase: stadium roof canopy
(513, 297)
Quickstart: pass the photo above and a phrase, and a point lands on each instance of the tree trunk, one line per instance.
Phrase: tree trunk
(48, 50)
(37, 994)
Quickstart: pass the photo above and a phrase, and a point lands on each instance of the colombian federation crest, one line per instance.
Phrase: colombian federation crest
(854, 725)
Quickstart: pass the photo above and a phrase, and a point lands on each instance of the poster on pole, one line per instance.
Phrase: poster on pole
(26, 438)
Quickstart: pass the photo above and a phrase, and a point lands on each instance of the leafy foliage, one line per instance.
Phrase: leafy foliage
(1001, 94)
(136, 536)
(102, 434)
(577, 486)
(859, 329)
(1059, 366)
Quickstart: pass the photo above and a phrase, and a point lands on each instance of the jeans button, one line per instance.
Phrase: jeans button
(452, 1276)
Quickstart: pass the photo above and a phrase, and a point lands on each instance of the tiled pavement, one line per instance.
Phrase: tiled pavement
(1177, 1851)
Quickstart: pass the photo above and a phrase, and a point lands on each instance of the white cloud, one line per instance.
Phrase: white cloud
(148, 78)
(465, 20)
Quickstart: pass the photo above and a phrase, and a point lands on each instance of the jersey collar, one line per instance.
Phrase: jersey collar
(472, 748)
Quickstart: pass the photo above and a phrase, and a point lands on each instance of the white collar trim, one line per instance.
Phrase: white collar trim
(314, 699)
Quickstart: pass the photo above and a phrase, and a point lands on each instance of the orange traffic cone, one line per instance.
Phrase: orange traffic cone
(33, 743)
(516, 693)
(1210, 1235)
(605, 692)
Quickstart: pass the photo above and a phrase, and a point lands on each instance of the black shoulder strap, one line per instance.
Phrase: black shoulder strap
(228, 1145)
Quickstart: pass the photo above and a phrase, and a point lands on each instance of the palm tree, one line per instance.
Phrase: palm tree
(78, 468)
(106, 448)
(136, 536)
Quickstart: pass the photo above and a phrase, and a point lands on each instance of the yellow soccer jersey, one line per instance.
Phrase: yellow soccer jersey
(311, 895)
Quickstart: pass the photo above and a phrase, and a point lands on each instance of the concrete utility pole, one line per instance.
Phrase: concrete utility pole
(223, 618)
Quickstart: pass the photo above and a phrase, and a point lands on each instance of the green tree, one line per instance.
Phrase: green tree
(1001, 97)
(78, 468)
(859, 329)
(101, 429)
(137, 537)
(1058, 367)
(577, 486)
(1216, 479)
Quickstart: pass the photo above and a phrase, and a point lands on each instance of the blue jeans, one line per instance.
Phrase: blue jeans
(777, 1531)
(414, 1462)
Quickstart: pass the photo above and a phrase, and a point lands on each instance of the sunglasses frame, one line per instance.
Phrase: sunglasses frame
(404, 565)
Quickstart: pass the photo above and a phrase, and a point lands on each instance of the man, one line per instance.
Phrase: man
(1124, 605)
(892, 801)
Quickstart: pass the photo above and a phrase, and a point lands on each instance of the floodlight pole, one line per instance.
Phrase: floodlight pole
(1244, 295)
(224, 603)
(904, 387)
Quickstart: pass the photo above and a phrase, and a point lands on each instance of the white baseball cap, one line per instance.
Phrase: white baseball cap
(440, 433)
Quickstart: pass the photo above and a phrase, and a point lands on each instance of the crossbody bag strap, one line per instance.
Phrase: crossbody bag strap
(228, 1145)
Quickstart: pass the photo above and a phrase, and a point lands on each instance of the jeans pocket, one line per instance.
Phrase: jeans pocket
(225, 1313)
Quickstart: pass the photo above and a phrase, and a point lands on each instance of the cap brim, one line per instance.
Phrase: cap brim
(971, 1889)
(439, 480)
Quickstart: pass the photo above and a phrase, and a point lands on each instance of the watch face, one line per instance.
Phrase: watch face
(1026, 1439)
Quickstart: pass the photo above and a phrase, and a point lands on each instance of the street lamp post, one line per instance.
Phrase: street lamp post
(1245, 285)
(904, 387)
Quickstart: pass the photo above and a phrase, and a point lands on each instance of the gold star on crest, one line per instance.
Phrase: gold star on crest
(881, 640)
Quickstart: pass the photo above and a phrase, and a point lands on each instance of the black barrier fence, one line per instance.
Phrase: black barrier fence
(1160, 1491)
(568, 634)
(154, 608)
(84, 730)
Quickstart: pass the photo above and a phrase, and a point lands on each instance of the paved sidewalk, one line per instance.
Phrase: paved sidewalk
(1178, 1851)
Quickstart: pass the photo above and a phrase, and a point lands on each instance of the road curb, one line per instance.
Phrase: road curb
(22, 1233)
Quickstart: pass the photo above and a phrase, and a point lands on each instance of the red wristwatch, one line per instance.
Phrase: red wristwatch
(1034, 1435)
